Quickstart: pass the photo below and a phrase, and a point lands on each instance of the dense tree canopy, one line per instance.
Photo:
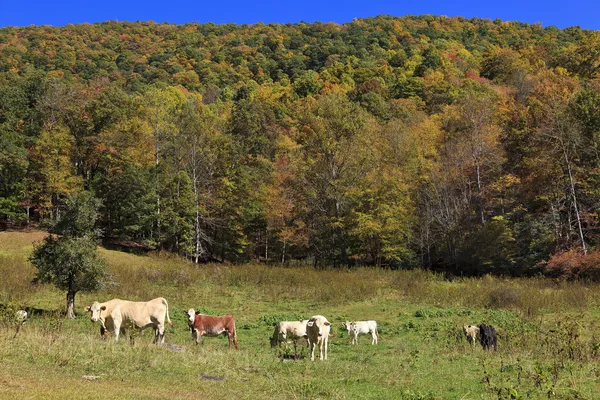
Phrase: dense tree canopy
(464, 145)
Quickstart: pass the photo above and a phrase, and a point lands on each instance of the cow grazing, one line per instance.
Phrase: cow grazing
(317, 330)
(471, 333)
(208, 325)
(119, 315)
(293, 330)
(487, 337)
(365, 327)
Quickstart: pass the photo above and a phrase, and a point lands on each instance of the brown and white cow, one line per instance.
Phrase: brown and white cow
(119, 315)
(317, 330)
(209, 325)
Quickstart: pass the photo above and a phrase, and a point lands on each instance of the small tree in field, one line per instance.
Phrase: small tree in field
(70, 261)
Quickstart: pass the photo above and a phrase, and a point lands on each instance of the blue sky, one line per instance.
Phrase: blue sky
(585, 13)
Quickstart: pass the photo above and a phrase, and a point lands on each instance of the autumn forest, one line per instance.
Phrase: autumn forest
(467, 146)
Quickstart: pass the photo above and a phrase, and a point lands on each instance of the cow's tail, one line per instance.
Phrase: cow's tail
(167, 305)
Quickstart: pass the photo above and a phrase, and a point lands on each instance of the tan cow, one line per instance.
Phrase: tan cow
(317, 330)
(471, 332)
(293, 330)
(119, 315)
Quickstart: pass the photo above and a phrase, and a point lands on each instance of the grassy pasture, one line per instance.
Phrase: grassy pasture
(549, 345)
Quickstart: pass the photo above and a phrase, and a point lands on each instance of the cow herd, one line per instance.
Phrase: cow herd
(119, 316)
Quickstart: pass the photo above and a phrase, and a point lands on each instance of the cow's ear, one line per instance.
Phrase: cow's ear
(310, 323)
(103, 308)
(197, 312)
(86, 309)
(326, 323)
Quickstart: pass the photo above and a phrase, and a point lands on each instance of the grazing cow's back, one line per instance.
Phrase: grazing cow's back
(117, 315)
(487, 336)
(209, 325)
(317, 330)
(285, 330)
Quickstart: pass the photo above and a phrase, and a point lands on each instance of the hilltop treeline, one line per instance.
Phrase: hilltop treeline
(462, 145)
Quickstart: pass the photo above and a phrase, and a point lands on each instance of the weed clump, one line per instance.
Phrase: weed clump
(503, 297)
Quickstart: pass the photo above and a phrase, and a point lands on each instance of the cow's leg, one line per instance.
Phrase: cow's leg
(160, 334)
(326, 341)
(117, 325)
(321, 349)
(312, 351)
(234, 338)
(295, 349)
(374, 338)
(132, 332)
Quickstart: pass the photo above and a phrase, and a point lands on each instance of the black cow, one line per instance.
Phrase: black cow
(487, 337)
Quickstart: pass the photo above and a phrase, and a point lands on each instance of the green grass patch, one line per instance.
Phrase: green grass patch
(549, 340)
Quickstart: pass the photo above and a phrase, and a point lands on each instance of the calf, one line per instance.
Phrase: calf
(365, 327)
(317, 330)
(208, 325)
(471, 332)
(487, 337)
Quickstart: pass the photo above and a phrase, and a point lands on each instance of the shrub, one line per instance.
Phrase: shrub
(572, 265)
(503, 297)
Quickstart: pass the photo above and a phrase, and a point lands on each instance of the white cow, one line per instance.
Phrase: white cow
(21, 316)
(293, 330)
(317, 330)
(367, 327)
(118, 315)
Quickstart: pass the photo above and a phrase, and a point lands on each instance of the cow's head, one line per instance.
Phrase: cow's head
(347, 325)
(320, 325)
(95, 309)
(191, 315)
(274, 340)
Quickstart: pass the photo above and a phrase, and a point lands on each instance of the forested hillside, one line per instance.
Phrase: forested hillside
(469, 146)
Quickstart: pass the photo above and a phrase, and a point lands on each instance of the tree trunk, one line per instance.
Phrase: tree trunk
(479, 194)
(157, 159)
(71, 305)
(342, 247)
(575, 206)
(283, 253)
